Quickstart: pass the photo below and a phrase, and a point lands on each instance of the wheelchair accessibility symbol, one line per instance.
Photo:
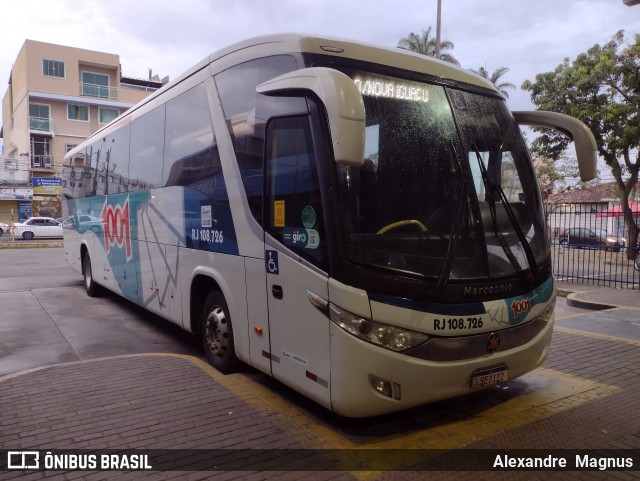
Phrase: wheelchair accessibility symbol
(271, 262)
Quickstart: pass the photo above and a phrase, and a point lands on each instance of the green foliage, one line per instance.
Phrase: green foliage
(494, 78)
(601, 87)
(425, 44)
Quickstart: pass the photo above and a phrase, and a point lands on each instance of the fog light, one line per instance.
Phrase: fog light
(386, 388)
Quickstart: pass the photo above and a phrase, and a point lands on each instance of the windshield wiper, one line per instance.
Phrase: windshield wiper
(491, 187)
(454, 234)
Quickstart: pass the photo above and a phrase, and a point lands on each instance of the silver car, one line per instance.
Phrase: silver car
(42, 227)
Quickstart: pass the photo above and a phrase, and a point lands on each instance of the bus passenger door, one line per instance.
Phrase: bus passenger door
(296, 259)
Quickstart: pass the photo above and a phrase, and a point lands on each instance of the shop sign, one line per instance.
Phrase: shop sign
(47, 185)
(16, 194)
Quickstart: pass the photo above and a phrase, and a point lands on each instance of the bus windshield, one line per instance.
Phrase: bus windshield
(447, 189)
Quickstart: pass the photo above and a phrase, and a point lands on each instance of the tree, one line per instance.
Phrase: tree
(495, 78)
(554, 176)
(602, 88)
(547, 175)
(424, 44)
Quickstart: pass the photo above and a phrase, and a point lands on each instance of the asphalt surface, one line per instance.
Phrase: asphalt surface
(47, 318)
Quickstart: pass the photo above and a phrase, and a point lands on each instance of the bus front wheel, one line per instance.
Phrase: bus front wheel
(217, 333)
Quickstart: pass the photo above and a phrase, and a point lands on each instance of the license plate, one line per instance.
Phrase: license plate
(492, 375)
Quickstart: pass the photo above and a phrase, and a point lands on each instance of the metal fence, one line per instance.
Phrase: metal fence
(589, 245)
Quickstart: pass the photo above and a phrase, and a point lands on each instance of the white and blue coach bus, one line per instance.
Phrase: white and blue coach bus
(363, 224)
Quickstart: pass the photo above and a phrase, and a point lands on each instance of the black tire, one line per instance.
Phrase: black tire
(1, 231)
(216, 333)
(90, 286)
(27, 235)
(564, 243)
(601, 246)
(636, 262)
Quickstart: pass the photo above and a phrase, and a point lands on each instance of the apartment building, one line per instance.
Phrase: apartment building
(56, 97)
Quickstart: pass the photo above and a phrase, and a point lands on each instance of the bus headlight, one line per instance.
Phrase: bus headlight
(383, 335)
(547, 314)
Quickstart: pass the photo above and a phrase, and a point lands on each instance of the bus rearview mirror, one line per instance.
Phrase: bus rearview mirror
(343, 103)
(585, 142)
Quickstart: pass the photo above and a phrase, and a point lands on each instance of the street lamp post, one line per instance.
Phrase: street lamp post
(438, 29)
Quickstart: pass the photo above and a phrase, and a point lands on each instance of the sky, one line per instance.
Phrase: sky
(168, 37)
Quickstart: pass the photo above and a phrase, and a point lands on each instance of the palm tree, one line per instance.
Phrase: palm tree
(495, 77)
(424, 44)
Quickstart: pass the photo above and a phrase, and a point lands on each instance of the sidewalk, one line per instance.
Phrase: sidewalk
(8, 242)
(598, 297)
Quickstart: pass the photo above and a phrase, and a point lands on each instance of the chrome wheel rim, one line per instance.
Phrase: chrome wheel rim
(217, 332)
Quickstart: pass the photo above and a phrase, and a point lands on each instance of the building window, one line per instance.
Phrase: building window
(41, 157)
(78, 112)
(95, 85)
(107, 115)
(52, 68)
(39, 118)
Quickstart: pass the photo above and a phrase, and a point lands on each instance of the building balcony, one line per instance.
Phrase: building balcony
(42, 162)
(98, 91)
(41, 124)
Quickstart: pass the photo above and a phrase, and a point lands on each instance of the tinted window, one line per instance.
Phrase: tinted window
(104, 168)
(191, 153)
(147, 135)
(294, 205)
(113, 165)
(247, 113)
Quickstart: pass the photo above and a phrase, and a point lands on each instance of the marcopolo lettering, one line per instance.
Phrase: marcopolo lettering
(504, 288)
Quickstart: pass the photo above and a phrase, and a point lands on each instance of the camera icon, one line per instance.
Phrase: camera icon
(23, 460)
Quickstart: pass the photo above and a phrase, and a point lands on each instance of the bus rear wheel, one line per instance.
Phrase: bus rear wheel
(90, 286)
(217, 334)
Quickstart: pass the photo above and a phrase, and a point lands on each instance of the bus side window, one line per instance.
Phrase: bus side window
(293, 202)
(191, 155)
(146, 150)
(246, 111)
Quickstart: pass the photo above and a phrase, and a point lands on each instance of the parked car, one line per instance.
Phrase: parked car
(37, 227)
(590, 238)
(3, 228)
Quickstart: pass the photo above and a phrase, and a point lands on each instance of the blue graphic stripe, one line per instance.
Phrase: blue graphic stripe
(470, 308)
(519, 307)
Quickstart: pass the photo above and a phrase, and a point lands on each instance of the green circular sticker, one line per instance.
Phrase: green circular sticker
(308, 217)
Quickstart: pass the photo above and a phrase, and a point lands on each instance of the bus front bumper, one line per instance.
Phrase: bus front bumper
(367, 380)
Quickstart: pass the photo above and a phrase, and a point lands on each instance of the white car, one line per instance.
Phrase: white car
(37, 227)
(3, 228)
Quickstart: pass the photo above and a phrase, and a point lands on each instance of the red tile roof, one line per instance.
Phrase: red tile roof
(601, 193)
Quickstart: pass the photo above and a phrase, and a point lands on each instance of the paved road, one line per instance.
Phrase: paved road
(47, 318)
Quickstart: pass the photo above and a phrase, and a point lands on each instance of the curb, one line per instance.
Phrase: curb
(573, 301)
(29, 245)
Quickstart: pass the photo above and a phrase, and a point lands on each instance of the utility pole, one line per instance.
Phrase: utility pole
(438, 30)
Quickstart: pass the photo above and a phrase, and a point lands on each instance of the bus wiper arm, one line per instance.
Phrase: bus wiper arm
(454, 234)
(510, 214)
(492, 210)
